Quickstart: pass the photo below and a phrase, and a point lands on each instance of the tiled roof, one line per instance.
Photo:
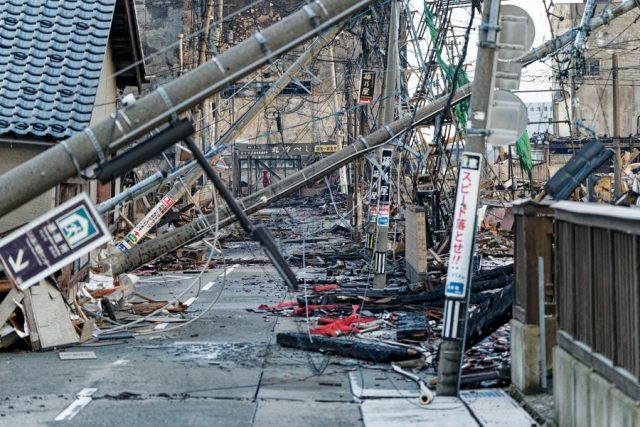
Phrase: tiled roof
(51, 54)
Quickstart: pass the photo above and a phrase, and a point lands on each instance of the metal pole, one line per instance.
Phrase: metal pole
(217, 99)
(543, 332)
(71, 157)
(342, 173)
(384, 186)
(617, 167)
(260, 233)
(199, 228)
(452, 346)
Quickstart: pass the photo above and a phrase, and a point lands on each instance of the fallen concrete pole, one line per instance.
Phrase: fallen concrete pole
(193, 172)
(70, 157)
(200, 227)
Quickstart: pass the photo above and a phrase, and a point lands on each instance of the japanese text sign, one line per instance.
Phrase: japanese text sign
(463, 227)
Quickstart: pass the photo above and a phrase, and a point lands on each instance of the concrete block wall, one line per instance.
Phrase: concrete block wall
(415, 243)
(583, 398)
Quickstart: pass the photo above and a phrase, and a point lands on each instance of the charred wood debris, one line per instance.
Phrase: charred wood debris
(337, 311)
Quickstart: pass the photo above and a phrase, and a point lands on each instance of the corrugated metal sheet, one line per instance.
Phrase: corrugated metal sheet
(51, 54)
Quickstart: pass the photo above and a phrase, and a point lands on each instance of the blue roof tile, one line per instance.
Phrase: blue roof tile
(51, 54)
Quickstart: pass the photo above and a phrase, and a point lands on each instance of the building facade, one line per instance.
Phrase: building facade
(585, 83)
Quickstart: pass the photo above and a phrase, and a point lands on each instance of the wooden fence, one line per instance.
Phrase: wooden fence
(597, 277)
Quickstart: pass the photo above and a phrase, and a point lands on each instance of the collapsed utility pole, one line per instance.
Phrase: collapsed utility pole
(70, 157)
(192, 173)
(199, 228)
(463, 232)
(386, 156)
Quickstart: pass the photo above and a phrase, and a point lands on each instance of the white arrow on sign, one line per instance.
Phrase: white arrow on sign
(18, 265)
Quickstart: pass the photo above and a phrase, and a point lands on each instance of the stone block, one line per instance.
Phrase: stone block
(623, 412)
(563, 387)
(525, 356)
(581, 394)
(599, 400)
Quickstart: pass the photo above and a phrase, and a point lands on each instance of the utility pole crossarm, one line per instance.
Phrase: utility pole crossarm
(75, 154)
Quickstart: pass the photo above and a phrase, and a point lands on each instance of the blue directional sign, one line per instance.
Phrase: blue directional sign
(52, 241)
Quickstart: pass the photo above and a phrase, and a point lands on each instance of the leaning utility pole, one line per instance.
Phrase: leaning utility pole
(72, 156)
(192, 172)
(386, 161)
(200, 227)
(457, 288)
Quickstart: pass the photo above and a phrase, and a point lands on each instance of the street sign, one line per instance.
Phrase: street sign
(463, 229)
(220, 165)
(325, 148)
(384, 187)
(52, 241)
(274, 150)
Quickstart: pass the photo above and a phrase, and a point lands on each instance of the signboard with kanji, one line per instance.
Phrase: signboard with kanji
(463, 228)
(367, 86)
(52, 241)
(383, 189)
(325, 148)
(275, 150)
